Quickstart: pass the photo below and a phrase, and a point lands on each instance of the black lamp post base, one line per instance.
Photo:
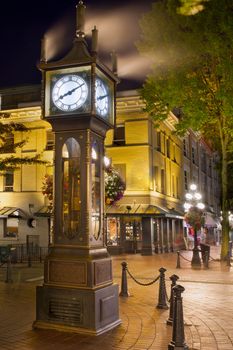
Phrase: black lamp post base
(196, 261)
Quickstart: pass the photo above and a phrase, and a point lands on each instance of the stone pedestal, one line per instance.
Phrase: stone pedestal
(78, 295)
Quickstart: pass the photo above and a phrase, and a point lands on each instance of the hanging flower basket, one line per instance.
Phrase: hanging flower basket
(194, 218)
(114, 186)
(47, 188)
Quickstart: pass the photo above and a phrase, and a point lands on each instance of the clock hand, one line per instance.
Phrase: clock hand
(69, 92)
(101, 97)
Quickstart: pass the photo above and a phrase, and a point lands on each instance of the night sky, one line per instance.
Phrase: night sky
(23, 24)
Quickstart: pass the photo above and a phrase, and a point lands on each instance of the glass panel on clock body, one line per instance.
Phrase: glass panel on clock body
(71, 187)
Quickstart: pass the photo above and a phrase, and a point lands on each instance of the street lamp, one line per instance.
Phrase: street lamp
(193, 208)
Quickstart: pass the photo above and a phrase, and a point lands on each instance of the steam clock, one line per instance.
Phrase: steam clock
(78, 96)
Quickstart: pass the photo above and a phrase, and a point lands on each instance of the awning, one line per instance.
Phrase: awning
(12, 212)
(142, 209)
(44, 211)
(210, 220)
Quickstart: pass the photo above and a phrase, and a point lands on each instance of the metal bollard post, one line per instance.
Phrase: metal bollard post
(124, 286)
(162, 290)
(21, 253)
(173, 278)
(206, 260)
(178, 338)
(178, 260)
(8, 270)
(40, 254)
(29, 260)
(228, 258)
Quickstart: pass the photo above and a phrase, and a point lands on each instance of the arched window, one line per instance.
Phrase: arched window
(71, 187)
(95, 175)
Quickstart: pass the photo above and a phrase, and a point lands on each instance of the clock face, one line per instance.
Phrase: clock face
(102, 98)
(69, 92)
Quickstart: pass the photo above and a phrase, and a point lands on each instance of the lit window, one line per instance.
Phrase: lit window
(119, 135)
(9, 181)
(49, 140)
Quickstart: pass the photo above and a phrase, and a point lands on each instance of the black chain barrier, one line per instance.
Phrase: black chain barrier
(184, 257)
(175, 319)
(162, 297)
(140, 283)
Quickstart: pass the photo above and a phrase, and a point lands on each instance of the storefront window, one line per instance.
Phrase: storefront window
(71, 187)
(113, 231)
(11, 229)
(95, 175)
(133, 230)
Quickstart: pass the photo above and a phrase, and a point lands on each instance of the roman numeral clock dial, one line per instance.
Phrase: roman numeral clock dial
(102, 98)
(69, 92)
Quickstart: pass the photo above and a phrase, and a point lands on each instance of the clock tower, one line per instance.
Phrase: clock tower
(78, 99)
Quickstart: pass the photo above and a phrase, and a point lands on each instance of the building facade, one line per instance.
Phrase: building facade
(156, 165)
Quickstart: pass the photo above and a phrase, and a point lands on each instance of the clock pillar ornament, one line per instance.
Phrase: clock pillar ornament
(78, 96)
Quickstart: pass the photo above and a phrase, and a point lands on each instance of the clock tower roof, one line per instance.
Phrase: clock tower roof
(79, 54)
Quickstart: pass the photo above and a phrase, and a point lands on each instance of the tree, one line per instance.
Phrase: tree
(193, 72)
(191, 7)
(8, 145)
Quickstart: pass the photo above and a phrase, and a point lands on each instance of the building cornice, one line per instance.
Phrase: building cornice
(21, 115)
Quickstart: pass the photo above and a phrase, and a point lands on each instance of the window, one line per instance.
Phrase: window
(158, 141)
(177, 188)
(168, 147)
(162, 181)
(113, 231)
(11, 228)
(210, 167)
(203, 160)
(173, 186)
(9, 143)
(193, 155)
(133, 230)
(174, 153)
(185, 147)
(49, 140)
(186, 180)
(156, 178)
(9, 181)
(119, 135)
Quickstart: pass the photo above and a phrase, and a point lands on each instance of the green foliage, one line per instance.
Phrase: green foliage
(114, 186)
(194, 218)
(8, 146)
(193, 72)
(191, 7)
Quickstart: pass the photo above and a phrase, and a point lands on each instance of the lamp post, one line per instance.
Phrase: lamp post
(193, 208)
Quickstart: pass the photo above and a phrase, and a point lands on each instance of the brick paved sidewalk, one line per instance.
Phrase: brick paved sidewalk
(207, 299)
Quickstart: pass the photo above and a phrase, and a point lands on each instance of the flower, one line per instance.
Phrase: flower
(47, 187)
(194, 217)
(114, 186)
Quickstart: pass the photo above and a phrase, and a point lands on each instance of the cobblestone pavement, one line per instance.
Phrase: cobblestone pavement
(208, 308)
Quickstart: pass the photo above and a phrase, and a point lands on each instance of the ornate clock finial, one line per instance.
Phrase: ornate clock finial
(94, 43)
(80, 19)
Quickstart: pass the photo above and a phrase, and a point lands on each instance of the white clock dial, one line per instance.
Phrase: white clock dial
(102, 98)
(69, 92)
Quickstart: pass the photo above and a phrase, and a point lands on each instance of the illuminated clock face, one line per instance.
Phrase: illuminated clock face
(69, 92)
(102, 98)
